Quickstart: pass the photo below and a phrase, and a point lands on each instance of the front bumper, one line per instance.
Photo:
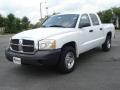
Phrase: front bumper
(47, 57)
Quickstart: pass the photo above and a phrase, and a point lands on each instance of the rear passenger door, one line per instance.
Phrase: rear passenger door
(98, 30)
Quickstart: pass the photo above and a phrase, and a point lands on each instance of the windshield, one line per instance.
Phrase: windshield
(66, 21)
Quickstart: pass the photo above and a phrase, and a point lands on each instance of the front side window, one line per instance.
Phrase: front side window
(84, 21)
(94, 19)
(66, 21)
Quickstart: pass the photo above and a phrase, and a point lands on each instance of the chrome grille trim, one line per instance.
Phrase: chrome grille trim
(21, 47)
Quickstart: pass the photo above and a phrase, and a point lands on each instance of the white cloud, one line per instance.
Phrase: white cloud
(30, 8)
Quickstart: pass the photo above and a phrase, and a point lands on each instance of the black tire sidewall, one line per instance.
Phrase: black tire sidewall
(105, 45)
(62, 66)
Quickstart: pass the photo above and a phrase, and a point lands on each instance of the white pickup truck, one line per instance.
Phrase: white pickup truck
(60, 40)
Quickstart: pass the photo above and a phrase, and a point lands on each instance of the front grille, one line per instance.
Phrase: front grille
(15, 41)
(28, 42)
(22, 45)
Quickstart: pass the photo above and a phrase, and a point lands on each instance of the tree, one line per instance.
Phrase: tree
(25, 23)
(116, 11)
(37, 25)
(10, 24)
(18, 25)
(106, 16)
(116, 16)
(1, 21)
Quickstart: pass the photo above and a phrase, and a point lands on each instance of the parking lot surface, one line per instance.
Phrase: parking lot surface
(95, 70)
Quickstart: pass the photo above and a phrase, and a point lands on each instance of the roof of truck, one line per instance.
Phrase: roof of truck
(77, 12)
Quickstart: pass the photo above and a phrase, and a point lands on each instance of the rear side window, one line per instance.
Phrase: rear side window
(94, 19)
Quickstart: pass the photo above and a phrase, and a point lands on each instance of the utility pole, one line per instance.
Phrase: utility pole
(47, 11)
(41, 11)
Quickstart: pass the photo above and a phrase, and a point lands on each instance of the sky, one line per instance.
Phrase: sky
(31, 8)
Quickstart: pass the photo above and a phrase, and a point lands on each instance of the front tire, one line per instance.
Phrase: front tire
(67, 59)
(107, 45)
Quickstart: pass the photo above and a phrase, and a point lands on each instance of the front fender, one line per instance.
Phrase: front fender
(63, 39)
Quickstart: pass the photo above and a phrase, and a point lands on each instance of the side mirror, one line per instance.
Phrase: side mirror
(84, 25)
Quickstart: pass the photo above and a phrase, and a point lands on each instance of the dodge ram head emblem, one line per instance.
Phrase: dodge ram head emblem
(20, 42)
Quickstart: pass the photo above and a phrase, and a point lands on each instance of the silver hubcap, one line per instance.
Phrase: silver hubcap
(108, 44)
(69, 60)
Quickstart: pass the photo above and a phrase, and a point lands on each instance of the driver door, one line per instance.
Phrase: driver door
(86, 33)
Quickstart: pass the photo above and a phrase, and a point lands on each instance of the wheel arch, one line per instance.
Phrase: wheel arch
(72, 44)
(109, 34)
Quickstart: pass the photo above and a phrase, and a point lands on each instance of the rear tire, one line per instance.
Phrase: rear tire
(107, 45)
(67, 60)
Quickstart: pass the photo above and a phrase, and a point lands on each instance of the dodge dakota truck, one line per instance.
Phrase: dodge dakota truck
(60, 40)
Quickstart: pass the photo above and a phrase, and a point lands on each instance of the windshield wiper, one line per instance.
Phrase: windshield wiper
(56, 26)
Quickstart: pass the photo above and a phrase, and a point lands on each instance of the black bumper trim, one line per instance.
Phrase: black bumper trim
(47, 57)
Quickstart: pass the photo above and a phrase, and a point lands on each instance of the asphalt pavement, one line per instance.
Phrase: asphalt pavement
(95, 70)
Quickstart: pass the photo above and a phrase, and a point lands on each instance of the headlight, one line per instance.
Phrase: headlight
(47, 44)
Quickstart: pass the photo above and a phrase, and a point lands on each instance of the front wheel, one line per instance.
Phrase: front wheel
(107, 45)
(67, 60)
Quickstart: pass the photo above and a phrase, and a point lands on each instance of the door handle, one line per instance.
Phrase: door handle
(101, 28)
(90, 30)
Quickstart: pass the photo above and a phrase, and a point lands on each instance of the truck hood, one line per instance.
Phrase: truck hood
(41, 33)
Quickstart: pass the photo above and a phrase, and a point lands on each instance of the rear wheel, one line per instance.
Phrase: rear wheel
(67, 59)
(107, 45)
